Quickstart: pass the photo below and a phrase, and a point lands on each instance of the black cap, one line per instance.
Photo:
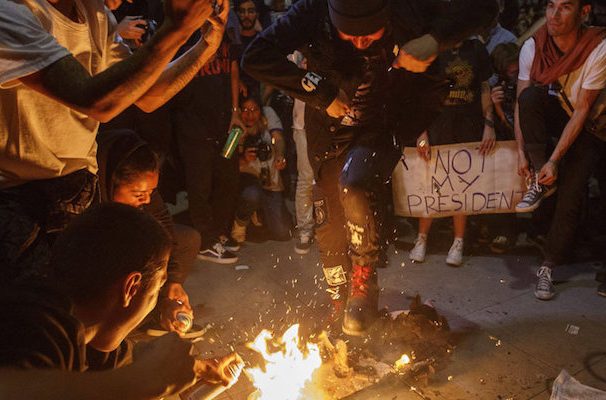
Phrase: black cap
(358, 17)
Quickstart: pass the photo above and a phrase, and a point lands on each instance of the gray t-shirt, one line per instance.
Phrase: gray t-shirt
(41, 138)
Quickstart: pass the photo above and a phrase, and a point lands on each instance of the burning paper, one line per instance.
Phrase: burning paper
(287, 369)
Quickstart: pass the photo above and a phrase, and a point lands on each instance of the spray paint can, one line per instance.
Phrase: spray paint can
(233, 138)
(186, 320)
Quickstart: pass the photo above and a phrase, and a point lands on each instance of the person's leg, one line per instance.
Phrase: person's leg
(276, 216)
(417, 253)
(361, 189)
(541, 118)
(225, 193)
(186, 246)
(250, 199)
(331, 235)
(574, 172)
(455, 254)
(196, 154)
(304, 194)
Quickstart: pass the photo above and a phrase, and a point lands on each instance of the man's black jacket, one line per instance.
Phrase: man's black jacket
(307, 28)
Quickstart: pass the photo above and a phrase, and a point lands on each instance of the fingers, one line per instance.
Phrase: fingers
(410, 63)
(487, 146)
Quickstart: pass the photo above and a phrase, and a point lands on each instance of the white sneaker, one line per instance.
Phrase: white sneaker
(303, 245)
(417, 254)
(218, 254)
(455, 254)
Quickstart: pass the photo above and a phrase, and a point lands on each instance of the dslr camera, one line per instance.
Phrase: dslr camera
(263, 149)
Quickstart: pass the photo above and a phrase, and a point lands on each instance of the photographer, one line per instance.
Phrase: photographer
(137, 19)
(261, 160)
(504, 60)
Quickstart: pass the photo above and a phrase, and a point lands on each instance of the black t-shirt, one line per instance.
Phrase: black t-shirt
(465, 68)
(204, 105)
(38, 330)
(253, 85)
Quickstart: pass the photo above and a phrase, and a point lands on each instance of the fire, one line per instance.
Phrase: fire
(287, 369)
(402, 362)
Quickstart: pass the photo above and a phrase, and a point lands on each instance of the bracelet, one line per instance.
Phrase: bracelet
(554, 162)
(489, 122)
(234, 109)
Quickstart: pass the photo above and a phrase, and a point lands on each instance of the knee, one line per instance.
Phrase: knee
(252, 195)
(187, 237)
(531, 98)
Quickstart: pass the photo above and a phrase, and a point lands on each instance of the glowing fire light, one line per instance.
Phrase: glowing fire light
(402, 362)
(287, 369)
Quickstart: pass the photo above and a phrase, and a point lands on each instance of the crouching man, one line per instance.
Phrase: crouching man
(562, 72)
(108, 268)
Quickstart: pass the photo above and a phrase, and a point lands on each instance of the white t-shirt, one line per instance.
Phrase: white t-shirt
(254, 167)
(40, 138)
(590, 76)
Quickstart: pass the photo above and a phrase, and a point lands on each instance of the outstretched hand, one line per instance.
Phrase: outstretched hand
(186, 16)
(417, 54)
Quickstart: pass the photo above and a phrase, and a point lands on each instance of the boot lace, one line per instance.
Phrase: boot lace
(359, 280)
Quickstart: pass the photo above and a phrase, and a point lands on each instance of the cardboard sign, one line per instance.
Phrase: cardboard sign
(457, 180)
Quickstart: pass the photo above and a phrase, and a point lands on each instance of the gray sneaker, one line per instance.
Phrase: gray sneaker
(544, 289)
(534, 195)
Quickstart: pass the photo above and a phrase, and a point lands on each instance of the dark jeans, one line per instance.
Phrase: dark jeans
(542, 120)
(211, 180)
(185, 249)
(254, 198)
(32, 214)
(349, 208)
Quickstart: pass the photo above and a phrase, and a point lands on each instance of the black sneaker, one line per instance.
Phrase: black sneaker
(544, 289)
(534, 195)
(303, 245)
(361, 309)
(501, 244)
(218, 254)
(229, 243)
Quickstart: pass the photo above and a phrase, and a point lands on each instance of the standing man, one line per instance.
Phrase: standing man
(562, 72)
(349, 46)
(62, 71)
(249, 29)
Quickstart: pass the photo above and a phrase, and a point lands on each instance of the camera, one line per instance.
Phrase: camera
(509, 89)
(263, 150)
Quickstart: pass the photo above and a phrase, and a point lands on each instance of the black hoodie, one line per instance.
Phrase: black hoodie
(114, 147)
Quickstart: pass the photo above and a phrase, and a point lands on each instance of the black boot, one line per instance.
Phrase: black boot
(361, 308)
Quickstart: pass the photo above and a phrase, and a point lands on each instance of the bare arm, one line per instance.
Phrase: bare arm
(575, 124)
(489, 135)
(105, 95)
(181, 71)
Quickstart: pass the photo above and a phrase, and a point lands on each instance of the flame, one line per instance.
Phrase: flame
(402, 362)
(287, 370)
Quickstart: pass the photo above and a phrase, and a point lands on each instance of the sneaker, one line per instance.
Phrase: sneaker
(544, 289)
(303, 245)
(238, 231)
(361, 308)
(256, 220)
(500, 244)
(534, 195)
(417, 253)
(218, 254)
(455, 254)
(602, 289)
(229, 243)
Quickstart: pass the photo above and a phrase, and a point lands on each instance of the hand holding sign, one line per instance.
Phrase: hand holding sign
(423, 147)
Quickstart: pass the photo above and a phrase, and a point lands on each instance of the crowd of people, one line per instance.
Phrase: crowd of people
(280, 121)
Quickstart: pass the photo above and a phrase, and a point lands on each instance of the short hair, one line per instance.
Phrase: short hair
(104, 244)
(504, 55)
(140, 161)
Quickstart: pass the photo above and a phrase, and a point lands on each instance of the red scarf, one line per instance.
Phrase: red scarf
(550, 63)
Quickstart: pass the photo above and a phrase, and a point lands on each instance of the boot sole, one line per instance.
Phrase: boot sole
(353, 333)
(302, 251)
(223, 261)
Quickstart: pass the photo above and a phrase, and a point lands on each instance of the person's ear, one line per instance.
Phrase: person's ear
(132, 286)
(585, 11)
